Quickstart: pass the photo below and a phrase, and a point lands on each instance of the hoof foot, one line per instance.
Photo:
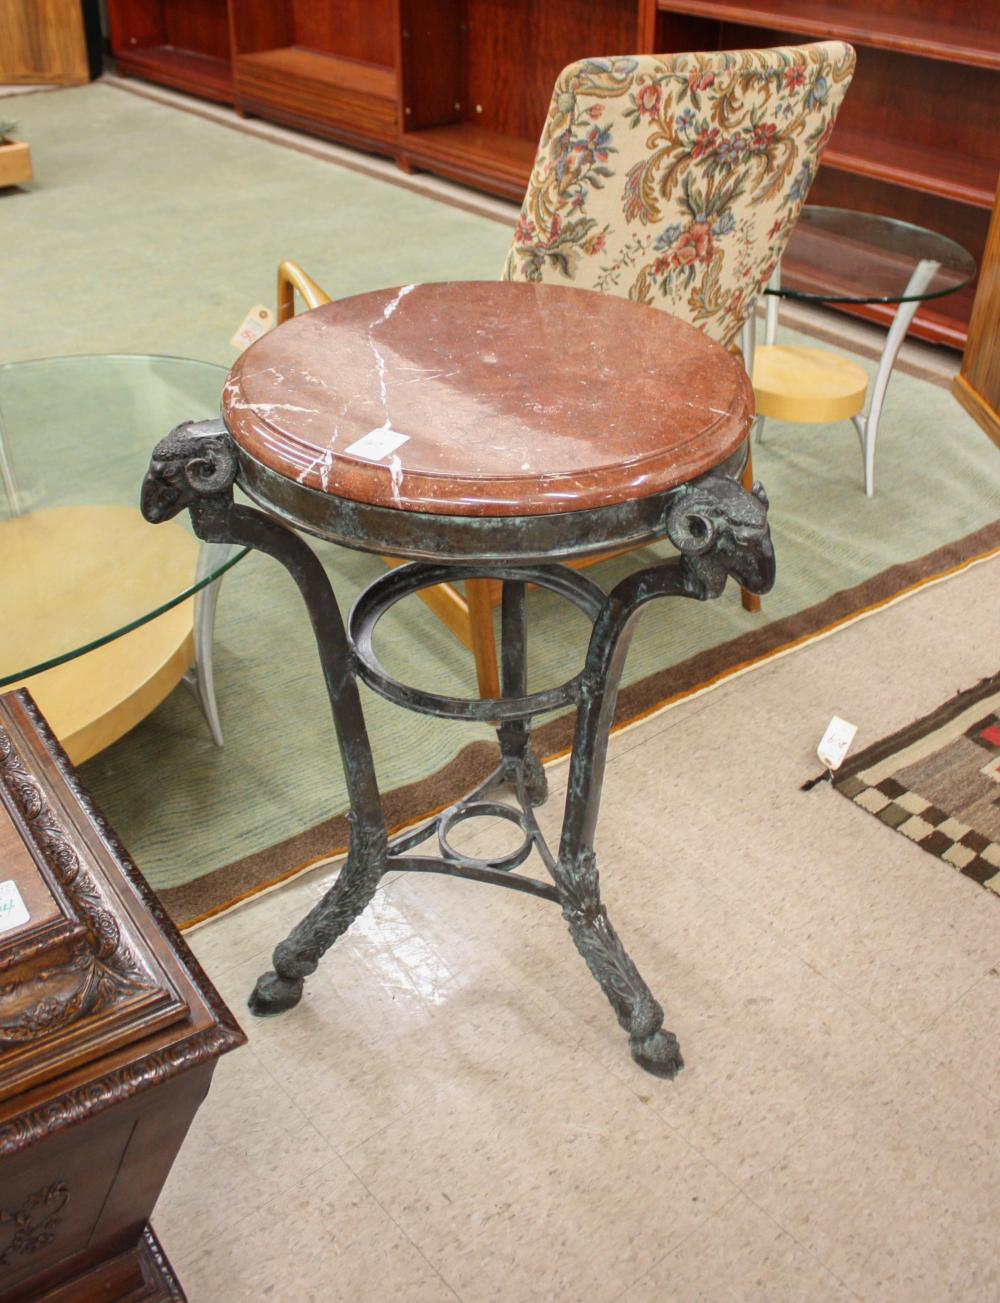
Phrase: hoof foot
(659, 1054)
(536, 782)
(274, 994)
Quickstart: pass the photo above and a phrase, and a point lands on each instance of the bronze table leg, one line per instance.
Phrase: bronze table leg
(720, 530)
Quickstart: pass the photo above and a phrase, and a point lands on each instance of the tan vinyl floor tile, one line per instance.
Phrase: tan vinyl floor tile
(325, 1240)
(967, 1036)
(452, 1112)
(739, 1256)
(540, 1165)
(234, 1147)
(896, 1191)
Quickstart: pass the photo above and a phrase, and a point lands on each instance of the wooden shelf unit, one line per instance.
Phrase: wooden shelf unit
(326, 68)
(880, 26)
(977, 387)
(476, 78)
(461, 87)
(183, 44)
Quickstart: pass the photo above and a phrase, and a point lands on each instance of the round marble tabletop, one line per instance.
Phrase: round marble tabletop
(486, 398)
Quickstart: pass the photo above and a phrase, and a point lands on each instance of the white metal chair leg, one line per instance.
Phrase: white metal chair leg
(748, 347)
(7, 474)
(867, 426)
(201, 678)
(772, 303)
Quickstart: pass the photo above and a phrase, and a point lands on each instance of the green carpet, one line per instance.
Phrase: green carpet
(150, 230)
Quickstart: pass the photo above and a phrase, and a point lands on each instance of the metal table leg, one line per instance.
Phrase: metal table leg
(201, 677)
(720, 531)
(7, 474)
(772, 303)
(867, 426)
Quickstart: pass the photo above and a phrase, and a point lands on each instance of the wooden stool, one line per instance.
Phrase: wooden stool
(492, 431)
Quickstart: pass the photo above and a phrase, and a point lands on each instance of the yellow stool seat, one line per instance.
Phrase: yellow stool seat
(807, 384)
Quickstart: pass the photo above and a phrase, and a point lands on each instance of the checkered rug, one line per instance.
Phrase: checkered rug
(937, 781)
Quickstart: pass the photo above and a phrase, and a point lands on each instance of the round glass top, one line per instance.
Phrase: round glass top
(837, 255)
(78, 564)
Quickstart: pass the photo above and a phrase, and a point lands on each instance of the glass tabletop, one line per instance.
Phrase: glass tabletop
(78, 564)
(837, 255)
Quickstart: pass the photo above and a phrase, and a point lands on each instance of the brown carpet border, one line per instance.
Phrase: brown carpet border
(234, 883)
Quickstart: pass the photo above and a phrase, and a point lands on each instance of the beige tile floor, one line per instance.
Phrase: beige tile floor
(452, 1113)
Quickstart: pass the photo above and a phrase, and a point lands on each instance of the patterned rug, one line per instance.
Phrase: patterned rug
(937, 781)
(210, 826)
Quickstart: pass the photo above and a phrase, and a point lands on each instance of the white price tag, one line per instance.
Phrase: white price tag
(13, 911)
(836, 740)
(257, 322)
(376, 444)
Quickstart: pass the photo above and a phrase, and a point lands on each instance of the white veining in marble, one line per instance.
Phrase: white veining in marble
(509, 398)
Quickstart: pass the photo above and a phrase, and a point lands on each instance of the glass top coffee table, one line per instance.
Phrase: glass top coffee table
(100, 615)
(837, 255)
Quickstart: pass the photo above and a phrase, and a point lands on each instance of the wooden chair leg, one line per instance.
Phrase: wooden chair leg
(291, 277)
(470, 619)
(751, 601)
(479, 596)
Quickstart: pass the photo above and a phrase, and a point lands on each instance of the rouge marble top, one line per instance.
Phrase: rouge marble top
(488, 398)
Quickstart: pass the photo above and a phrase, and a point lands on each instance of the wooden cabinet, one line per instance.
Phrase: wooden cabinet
(180, 43)
(477, 76)
(977, 386)
(44, 42)
(328, 68)
(109, 1036)
(461, 87)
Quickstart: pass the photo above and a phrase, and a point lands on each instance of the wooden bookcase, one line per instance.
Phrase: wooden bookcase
(179, 43)
(977, 388)
(477, 75)
(461, 87)
(328, 68)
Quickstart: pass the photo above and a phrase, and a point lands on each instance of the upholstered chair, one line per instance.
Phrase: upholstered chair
(674, 180)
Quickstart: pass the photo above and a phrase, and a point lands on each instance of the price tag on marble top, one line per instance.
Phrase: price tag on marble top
(488, 398)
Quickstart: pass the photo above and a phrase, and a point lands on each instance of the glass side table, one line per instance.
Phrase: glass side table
(832, 252)
(96, 616)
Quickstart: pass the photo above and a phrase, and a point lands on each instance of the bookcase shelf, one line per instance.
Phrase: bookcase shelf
(476, 156)
(476, 78)
(946, 173)
(329, 68)
(936, 35)
(354, 101)
(186, 70)
(179, 44)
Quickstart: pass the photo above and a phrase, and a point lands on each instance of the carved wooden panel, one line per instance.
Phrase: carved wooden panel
(74, 974)
(109, 1035)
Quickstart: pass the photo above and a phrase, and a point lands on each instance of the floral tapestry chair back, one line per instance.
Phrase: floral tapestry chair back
(676, 180)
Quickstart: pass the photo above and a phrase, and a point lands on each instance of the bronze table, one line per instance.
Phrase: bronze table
(480, 430)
